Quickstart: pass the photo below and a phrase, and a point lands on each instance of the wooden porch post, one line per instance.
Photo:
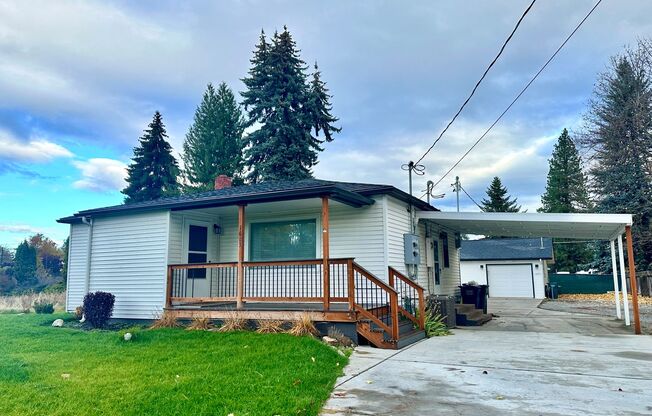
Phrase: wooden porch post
(241, 235)
(632, 279)
(168, 288)
(325, 246)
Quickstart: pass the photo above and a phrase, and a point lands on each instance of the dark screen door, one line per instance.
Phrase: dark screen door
(197, 250)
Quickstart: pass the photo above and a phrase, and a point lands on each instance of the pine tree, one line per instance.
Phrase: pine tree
(154, 170)
(213, 145)
(566, 191)
(24, 268)
(619, 139)
(287, 108)
(499, 200)
(320, 108)
(566, 184)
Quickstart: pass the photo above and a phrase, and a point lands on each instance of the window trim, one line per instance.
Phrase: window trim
(283, 220)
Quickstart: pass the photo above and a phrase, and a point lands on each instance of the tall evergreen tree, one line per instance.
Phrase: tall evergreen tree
(24, 268)
(498, 199)
(619, 139)
(288, 109)
(213, 145)
(154, 170)
(566, 191)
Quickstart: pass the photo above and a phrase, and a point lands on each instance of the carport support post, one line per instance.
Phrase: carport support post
(623, 279)
(632, 279)
(614, 270)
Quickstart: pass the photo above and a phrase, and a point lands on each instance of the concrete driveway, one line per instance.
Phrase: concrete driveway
(528, 361)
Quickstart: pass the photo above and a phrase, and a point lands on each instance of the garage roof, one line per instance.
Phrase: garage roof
(506, 249)
(510, 224)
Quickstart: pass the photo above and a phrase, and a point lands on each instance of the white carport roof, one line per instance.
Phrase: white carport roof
(509, 224)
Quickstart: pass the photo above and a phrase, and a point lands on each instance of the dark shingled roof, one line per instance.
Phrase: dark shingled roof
(350, 193)
(506, 249)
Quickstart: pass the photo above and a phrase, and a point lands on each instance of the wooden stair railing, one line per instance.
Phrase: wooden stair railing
(375, 301)
(412, 297)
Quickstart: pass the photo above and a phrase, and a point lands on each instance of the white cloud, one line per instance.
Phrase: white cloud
(36, 150)
(18, 228)
(101, 175)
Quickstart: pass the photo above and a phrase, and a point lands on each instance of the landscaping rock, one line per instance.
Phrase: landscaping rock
(127, 336)
(57, 323)
(329, 340)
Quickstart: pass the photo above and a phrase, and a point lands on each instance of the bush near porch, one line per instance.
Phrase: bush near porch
(64, 371)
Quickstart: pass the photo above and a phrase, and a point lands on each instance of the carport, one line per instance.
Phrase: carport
(607, 227)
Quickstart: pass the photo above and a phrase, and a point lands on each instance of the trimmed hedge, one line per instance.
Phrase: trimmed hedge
(43, 307)
(98, 308)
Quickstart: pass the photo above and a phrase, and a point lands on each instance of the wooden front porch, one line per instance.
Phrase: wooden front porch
(341, 291)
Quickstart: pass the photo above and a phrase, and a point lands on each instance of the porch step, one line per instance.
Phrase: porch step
(381, 339)
(468, 315)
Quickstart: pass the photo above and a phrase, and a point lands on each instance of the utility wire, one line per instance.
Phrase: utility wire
(471, 198)
(479, 82)
(519, 94)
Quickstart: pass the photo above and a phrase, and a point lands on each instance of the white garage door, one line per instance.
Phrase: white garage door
(510, 280)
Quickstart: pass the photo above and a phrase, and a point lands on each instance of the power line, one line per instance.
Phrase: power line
(520, 93)
(479, 81)
(471, 198)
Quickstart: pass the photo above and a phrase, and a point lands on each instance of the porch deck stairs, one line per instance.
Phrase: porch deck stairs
(468, 315)
(381, 339)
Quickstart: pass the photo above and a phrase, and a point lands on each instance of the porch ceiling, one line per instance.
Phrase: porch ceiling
(575, 226)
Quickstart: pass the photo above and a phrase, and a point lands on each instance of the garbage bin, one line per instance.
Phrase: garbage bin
(554, 291)
(481, 299)
(469, 294)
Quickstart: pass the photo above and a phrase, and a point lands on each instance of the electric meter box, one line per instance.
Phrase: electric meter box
(411, 249)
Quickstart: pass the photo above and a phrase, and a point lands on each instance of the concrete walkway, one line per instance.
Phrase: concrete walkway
(527, 362)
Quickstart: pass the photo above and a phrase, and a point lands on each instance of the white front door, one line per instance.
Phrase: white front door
(510, 280)
(196, 243)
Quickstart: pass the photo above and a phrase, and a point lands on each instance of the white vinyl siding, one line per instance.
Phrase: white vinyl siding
(77, 256)
(129, 258)
(398, 223)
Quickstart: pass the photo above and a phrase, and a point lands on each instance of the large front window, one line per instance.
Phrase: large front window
(283, 240)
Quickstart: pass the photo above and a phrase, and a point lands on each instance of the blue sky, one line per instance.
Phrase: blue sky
(79, 81)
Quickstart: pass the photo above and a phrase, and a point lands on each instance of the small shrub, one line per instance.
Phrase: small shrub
(435, 326)
(303, 326)
(166, 320)
(200, 324)
(233, 323)
(342, 340)
(98, 308)
(270, 326)
(43, 307)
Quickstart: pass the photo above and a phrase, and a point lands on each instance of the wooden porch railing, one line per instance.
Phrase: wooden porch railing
(411, 296)
(270, 281)
(375, 300)
(302, 281)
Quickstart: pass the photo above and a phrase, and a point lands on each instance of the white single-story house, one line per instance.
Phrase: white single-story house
(358, 255)
(333, 248)
(510, 267)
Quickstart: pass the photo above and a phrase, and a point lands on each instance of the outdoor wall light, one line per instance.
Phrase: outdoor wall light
(536, 266)
(217, 229)
(482, 266)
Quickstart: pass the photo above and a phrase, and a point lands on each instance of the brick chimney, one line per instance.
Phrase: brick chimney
(222, 181)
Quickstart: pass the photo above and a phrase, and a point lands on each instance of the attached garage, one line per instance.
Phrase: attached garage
(510, 267)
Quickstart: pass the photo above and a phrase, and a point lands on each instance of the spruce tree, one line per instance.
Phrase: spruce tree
(320, 108)
(566, 191)
(619, 139)
(154, 170)
(287, 108)
(498, 199)
(213, 145)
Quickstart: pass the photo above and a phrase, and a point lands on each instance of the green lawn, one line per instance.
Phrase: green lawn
(62, 371)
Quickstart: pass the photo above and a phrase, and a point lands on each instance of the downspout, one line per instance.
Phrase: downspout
(88, 221)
